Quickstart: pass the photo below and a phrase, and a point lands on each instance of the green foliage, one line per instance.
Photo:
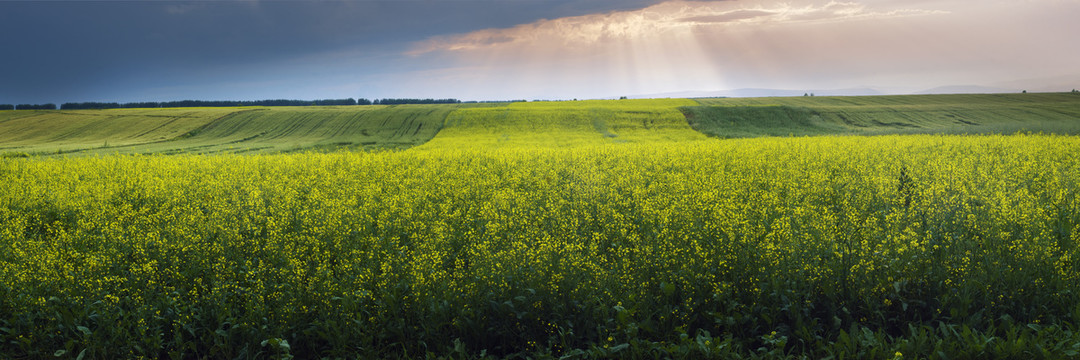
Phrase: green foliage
(14, 154)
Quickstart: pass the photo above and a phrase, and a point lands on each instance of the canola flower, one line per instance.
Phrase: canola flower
(537, 243)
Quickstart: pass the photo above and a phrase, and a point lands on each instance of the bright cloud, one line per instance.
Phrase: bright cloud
(589, 30)
(798, 44)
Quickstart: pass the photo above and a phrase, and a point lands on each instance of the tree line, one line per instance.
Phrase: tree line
(225, 103)
(49, 106)
(415, 101)
(205, 103)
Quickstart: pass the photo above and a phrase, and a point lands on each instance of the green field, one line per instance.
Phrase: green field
(293, 129)
(566, 124)
(218, 130)
(586, 229)
(876, 115)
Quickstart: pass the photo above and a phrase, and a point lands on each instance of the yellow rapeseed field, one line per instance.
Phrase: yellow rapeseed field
(565, 229)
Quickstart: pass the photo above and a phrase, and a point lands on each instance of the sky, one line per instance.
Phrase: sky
(127, 51)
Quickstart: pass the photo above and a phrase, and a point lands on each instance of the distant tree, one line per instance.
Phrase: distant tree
(497, 101)
(811, 94)
(416, 101)
(88, 105)
(1023, 91)
(329, 102)
(140, 105)
(49, 106)
(622, 98)
(230, 103)
(805, 94)
(12, 107)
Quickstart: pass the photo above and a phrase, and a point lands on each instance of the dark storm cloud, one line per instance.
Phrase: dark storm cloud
(100, 50)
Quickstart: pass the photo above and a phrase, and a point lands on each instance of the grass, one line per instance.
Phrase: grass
(565, 124)
(294, 129)
(219, 130)
(1056, 113)
(39, 131)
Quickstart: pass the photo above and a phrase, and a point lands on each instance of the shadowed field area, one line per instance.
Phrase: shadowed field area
(1057, 113)
(219, 130)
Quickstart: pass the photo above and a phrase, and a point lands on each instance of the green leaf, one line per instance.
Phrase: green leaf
(59, 353)
(81, 354)
(668, 289)
(83, 329)
(572, 354)
(620, 347)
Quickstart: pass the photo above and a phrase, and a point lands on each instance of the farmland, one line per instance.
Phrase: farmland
(561, 229)
(218, 130)
(877, 115)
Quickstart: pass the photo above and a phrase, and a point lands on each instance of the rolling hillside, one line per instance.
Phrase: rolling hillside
(566, 123)
(1057, 113)
(36, 131)
(544, 124)
(217, 130)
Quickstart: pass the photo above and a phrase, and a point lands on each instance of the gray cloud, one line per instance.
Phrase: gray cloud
(116, 50)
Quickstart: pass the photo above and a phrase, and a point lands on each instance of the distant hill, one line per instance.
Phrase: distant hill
(1062, 83)
(968, 89)
(1048, 84)
(756, 92)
